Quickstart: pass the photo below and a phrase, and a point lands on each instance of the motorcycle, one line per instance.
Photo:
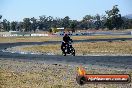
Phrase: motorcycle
(68, 49)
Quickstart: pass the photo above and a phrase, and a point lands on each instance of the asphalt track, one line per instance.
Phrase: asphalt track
(109, 61)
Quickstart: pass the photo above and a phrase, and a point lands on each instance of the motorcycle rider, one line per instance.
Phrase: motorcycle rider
(66, 40)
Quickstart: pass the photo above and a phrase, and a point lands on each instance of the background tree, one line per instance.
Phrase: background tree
(114, 19)
(49, 22)
(50, 30)
(104, 20)
(0, 16)
(5, 25)
(73, 25)
(87, 17)
(13, 26)
(27, 24)
(42, 24)
(8, 26)
(98, 22)
(87, 22)
(130, 23)
(20, 26)
(111, 20)
(0, 22)
(33, 24)
(66, 22)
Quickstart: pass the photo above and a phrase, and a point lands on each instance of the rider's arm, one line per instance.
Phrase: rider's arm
(70, 39)
(64, 39)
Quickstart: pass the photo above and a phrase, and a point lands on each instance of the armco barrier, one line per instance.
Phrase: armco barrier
(13, 35)
(39, 34)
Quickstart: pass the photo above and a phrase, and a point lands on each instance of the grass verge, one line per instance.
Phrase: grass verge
(55, 38)
(84, 48)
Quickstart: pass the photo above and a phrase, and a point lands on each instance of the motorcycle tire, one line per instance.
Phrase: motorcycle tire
(64, 53)
(73, 52)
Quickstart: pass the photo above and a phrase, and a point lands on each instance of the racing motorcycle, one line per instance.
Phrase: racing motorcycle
(68, 49)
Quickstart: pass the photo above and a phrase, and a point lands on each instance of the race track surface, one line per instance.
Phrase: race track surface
(109, 61)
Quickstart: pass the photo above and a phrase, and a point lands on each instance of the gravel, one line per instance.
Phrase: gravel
(52, 74)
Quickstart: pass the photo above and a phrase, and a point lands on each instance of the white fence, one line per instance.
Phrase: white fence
(39, 35)
(5, 34)
(14, 35)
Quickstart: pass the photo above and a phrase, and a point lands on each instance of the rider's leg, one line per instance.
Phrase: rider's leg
(68, 47)
(62, 45)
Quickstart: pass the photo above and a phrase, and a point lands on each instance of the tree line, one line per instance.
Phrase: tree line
(111, 20)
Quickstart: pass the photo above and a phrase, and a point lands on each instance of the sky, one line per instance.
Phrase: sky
(16, 10)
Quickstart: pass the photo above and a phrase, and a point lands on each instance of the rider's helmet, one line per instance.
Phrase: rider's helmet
(65, 34)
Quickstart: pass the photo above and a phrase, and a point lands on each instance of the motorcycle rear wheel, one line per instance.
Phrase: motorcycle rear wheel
(64, 53)
(73, 52)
